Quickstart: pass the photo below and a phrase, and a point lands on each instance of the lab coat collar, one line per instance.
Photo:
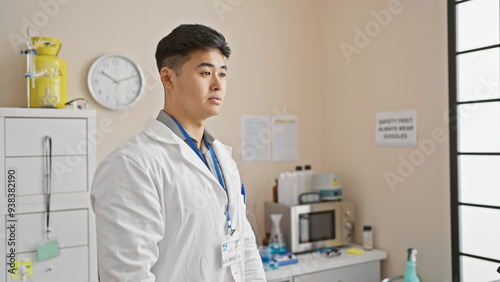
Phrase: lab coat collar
(166, 119)
(158, 131)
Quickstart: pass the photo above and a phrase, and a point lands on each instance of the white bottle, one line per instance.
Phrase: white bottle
(287, 188)
(282, 191)
(367, 238)
(299, 184)
(308, 174)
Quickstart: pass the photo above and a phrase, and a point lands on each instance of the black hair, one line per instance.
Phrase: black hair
(174, 49)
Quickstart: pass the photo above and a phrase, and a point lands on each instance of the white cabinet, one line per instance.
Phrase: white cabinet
(344, 268)
(23, 200)
(366, 272)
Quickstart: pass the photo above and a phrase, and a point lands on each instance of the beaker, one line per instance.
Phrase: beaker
(277, 240)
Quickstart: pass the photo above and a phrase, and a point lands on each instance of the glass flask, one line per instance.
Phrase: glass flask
(277, 240)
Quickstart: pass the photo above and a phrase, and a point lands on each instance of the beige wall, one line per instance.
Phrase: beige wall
(286, 60)
(403, 66)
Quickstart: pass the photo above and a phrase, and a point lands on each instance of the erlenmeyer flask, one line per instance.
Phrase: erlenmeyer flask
(277, 240)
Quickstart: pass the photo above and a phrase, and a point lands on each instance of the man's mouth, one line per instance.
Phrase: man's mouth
(215, 99)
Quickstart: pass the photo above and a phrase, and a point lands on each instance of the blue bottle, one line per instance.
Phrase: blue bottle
(410, 272)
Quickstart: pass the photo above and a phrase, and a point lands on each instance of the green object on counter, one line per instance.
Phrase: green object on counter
(410, 274)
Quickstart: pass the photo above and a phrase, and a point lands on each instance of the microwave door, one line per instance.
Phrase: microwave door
(317, 227)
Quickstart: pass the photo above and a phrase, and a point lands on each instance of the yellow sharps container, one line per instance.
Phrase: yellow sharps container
(51, 82)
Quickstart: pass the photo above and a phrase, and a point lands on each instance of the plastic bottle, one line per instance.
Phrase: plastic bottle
(308, 174)
(282, 188)
(298, 183)
(411, 265)
(367, 238)
(287, 188)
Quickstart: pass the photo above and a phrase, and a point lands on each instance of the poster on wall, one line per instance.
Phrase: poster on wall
(285, 139)
(396, 129)
(255, 139)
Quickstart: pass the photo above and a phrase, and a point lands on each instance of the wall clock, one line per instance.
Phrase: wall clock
(115, 81)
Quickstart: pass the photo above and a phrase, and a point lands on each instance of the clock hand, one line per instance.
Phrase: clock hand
(110, 77)
(127, 78)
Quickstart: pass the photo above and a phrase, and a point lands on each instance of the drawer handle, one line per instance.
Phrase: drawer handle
(48, 177)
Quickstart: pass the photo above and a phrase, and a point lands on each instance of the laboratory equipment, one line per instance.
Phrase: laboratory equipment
(268, 261)
(30, 73)
(328, 185)
(286, 259)
(290, 185)
(50, 89)
(329, 252)
(313, 226)
(277, 240)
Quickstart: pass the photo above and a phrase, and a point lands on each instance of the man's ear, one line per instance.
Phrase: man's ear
(167, 75)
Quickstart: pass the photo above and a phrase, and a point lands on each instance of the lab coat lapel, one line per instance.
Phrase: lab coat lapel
(157, 130)
(229, 169)
(188, 154)
(223, 154)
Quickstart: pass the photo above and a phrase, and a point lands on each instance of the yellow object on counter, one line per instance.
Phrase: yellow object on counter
(354, 251)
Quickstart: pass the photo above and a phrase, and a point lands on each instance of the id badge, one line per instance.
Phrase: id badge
(231, 250)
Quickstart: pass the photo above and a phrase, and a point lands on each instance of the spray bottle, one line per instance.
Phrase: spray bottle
(410, 272)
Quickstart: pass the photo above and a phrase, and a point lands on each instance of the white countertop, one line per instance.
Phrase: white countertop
(313, 262)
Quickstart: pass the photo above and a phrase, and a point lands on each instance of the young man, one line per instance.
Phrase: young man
(168, 202)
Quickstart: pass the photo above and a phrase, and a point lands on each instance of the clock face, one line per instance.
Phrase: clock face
(115, 81)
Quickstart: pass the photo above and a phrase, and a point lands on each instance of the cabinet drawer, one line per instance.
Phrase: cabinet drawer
(25, 136)
(69, 227)
(72, 264)
(366, 272)
(69, 174)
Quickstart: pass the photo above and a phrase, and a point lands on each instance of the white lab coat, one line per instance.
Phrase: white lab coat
(160, 213)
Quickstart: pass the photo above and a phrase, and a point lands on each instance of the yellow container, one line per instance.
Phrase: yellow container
(51, 82)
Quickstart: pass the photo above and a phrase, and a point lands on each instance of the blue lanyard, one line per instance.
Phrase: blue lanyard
(195, 149)
(217, 170)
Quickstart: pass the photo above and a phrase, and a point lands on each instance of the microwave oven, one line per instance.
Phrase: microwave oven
(314, 226)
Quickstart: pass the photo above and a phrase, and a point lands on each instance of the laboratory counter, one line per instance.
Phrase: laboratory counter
(345, 268)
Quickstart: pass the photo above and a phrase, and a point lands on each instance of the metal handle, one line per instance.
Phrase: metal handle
(48, 177)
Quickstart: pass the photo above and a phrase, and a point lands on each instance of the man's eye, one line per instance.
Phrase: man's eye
(223, 74)
(205, 73)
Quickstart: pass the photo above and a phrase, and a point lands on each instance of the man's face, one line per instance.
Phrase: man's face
(198, 91)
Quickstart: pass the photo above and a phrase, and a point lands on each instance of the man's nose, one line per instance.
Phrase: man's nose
(217, 83)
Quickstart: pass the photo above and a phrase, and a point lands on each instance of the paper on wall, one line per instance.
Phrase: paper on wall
(255, 139)
(285, 139)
